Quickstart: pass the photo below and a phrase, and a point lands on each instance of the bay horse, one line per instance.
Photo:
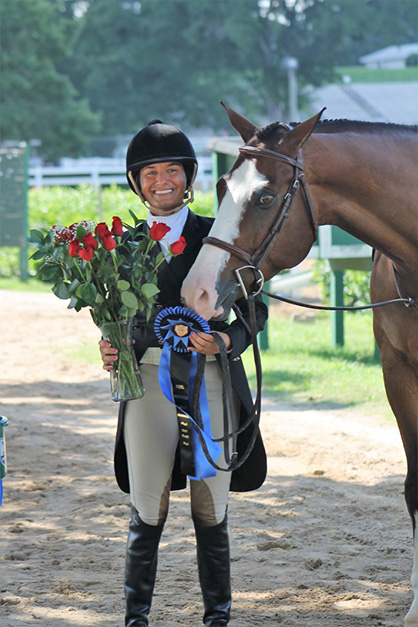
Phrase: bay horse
(359, 176)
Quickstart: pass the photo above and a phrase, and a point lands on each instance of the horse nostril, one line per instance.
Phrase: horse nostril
(201, 301)
(202, 296)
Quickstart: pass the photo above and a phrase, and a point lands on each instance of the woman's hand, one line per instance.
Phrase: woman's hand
(108, 354)
(206, 344)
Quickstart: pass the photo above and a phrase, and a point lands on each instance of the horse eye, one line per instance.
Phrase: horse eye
(266, 200)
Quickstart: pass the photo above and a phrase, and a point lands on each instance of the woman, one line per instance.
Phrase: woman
(161, 167)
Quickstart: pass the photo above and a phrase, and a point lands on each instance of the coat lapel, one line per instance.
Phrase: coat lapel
(172, 275)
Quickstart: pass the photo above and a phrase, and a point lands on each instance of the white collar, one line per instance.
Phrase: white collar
(175, 221)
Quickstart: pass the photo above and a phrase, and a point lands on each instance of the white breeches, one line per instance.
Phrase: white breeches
(151, 437)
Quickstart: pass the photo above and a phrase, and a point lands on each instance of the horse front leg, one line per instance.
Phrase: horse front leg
(401, 382)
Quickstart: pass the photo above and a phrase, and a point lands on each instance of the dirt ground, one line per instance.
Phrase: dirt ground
(325, 542)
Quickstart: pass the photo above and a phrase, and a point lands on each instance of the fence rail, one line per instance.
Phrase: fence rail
(100, 172)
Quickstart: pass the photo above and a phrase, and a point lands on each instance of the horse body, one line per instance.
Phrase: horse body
(358, 199)
(360, 177)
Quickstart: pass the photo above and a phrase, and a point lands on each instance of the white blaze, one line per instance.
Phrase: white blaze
(210, 262)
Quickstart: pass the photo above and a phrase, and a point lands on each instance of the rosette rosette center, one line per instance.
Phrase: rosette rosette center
(174, 325)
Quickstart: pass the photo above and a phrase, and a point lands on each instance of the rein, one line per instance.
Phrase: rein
(409, 302)
(232, 460)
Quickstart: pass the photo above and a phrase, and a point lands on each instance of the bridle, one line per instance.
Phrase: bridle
(255, 260)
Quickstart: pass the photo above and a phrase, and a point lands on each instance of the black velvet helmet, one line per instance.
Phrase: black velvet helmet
(158, 142)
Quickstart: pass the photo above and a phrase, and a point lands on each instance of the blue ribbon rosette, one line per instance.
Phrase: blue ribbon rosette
(177, 377)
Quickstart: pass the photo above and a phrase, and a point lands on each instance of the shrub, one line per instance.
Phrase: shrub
(51, 205)
(356, 284)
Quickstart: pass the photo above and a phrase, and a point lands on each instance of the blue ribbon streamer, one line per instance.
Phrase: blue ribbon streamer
(202, 466)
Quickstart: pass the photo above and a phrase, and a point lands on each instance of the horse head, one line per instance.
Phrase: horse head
(254, 227)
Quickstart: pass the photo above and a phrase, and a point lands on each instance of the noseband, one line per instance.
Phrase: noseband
(255, 260)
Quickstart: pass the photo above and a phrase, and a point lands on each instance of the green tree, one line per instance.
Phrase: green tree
(133, 60)
(177, 58)
(36, 100)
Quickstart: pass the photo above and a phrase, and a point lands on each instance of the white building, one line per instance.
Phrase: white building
(392, 57)
(368, 102)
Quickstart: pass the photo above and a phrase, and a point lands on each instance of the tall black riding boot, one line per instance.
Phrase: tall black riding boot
(140, 569)
(213, 562)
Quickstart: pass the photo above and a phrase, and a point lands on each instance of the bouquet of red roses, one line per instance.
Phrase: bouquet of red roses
(113, 272)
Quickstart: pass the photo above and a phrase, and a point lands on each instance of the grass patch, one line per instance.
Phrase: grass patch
(16, 285)
(87, 353)
(360, 74)
(302, 367)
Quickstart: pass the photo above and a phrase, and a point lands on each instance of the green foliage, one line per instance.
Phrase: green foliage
(37, 100)
(175, 59)
(351, 28)
(120, 65)
(98, 269)
(203, 204)
(51, 205)
(356, 284)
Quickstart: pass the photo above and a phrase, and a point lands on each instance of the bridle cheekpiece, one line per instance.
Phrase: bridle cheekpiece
(256, 259)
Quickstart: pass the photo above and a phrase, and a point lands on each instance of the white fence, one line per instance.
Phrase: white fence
(78, 172)
(102, 171)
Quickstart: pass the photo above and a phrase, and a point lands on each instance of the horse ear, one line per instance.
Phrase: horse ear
(244, 127)
(298, 136)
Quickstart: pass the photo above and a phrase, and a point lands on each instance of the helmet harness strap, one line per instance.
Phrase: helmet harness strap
(188, 198)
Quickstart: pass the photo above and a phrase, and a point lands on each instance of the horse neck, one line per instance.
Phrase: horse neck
(366, 185)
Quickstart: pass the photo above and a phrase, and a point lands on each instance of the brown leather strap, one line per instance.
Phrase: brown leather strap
(234, 250)
(257, 258)
(253, 151)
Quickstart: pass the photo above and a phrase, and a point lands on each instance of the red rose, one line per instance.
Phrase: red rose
(117, 226)
(89, 241)
(74, 248)
(108, 242)
(177, 248)
(86, 253)
(101, 229)
(158, 231)
(66, 234)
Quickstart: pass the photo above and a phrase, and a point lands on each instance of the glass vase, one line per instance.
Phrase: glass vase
(125, 378)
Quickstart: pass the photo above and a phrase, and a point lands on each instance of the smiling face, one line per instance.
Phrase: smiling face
(163, 185)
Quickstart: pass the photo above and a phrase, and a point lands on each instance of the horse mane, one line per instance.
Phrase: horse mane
(339, 126)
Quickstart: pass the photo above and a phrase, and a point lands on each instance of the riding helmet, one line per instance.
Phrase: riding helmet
(158, 142)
